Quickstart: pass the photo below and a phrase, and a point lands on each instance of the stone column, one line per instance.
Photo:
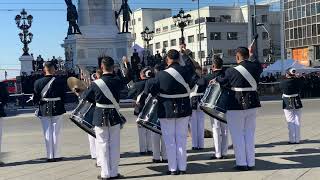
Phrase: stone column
(109, 12)
(83, 12)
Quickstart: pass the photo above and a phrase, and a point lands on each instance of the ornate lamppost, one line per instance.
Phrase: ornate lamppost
(147, 36)
(182, 20)
(24, 23)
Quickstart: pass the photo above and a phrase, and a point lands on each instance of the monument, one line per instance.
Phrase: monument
(99, 34)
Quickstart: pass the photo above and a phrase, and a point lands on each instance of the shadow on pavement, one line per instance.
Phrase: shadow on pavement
(43, 161)
(270, 145)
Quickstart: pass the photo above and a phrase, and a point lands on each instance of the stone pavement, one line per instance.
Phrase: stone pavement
(24, 147)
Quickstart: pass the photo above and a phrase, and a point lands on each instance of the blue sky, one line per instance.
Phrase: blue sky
(49, 26)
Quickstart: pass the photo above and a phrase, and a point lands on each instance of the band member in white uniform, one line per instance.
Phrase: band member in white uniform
(292, 106)
(197, 117)
(105, 92)
(159, 153)
(49, 93)
(92, 140)
(243, 101)
(145, 142)
(174, 109)
(4, 97)
(219, 129)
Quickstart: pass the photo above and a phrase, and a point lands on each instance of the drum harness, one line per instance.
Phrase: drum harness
(177, 76)
(246, 74)
(107, 93)
(51, 101)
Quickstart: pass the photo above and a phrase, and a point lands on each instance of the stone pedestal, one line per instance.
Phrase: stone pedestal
(26, 64)
(100, 36)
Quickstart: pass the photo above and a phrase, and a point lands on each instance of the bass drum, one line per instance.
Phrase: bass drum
(148, 118)
(82, 116)
(214, 102)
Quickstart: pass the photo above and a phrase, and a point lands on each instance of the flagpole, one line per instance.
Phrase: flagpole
(199, 26)
(282, 36)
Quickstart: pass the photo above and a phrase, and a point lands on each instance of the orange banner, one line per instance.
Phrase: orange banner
(301, 55)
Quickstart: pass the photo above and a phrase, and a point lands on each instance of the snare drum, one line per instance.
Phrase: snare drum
(214, 102)
(148, 118)
(82, 116)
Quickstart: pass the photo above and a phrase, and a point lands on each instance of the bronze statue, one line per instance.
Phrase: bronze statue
(126, 12)
(72, 18)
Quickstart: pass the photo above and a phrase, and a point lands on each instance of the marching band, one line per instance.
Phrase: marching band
(175, 90)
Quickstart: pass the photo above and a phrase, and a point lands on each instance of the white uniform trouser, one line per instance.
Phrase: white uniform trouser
(1, 124)
(197, 128)
(92, 145)
(93, 149)
(174, 132)
(242, 125)
(220, 137)
(145, 143)
(158, 147)
(51, 128)
(108, 148)
(293, 118)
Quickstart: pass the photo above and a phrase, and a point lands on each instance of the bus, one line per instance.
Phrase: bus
(11, 85)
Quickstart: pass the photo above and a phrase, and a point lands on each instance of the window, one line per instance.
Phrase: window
(231, 52)
(217, 51)
(314, 30)
(215, 36)
(191, 39)
(139, 19)
(158, 30)
(300, 32)
(264, 18)
(265, 52)
(158, 46)
(291, 33)
(308, 12)
(201, 54)
(317, 53)
(232, 36)
(318, 8)
(151, 47)
(133, 22)
(303, 10)
(202, 19)
(225, 18)
(165, 44)
(173, 26)
(134, 36)
(201, 37)
(265, 36)
(313, 9)
(173, 42)
(165, 28)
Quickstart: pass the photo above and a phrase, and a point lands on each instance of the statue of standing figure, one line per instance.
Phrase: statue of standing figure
(72, 18)
(126, 12)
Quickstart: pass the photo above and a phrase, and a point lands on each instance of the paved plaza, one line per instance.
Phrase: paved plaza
(24, 152)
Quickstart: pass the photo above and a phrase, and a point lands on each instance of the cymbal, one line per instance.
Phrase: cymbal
(76, 84)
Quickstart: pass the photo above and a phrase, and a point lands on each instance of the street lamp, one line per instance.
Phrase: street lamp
(270, 55)
(182, 20)
(24, 23)
(147, 36)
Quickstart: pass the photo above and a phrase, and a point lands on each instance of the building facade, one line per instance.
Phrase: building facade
(142, 18)
(302, 31)
(223, 29)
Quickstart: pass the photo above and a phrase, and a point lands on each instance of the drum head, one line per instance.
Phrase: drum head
(83, 127)
(220, 116)
(150, 126)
